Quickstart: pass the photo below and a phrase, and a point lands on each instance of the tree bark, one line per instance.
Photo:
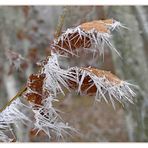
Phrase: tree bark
(132, 66)
(11, 20)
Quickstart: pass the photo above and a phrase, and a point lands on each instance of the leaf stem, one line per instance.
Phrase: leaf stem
(61, 22)
(14, 98)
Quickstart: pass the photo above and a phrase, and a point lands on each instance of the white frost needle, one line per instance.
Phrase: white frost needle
(104, 87)
(4, 137)
(97, 39)
(116, 25)
(55, 76)
(11, 115)
(48, 121)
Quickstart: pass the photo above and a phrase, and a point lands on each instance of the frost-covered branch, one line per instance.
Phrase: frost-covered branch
(43, 88)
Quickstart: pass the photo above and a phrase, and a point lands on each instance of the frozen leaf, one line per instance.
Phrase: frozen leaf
(103, 84)
(90, 35)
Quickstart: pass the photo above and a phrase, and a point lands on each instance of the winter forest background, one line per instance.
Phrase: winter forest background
(29, 30)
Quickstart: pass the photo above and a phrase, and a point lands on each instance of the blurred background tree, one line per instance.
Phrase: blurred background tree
(27, 31)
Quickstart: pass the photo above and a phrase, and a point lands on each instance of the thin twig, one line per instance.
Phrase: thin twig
(61, 22)
(14, 98)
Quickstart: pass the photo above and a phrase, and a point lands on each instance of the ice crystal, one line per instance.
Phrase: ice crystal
(11, 115)
(90, 35)
(4, 137)
(103, 84)
(56, 77)
(48, 120)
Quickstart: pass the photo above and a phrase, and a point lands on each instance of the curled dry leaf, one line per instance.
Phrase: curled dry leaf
(98, 25)
(34, 92)
(90, 35)
(41, 91)
(102, 84)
